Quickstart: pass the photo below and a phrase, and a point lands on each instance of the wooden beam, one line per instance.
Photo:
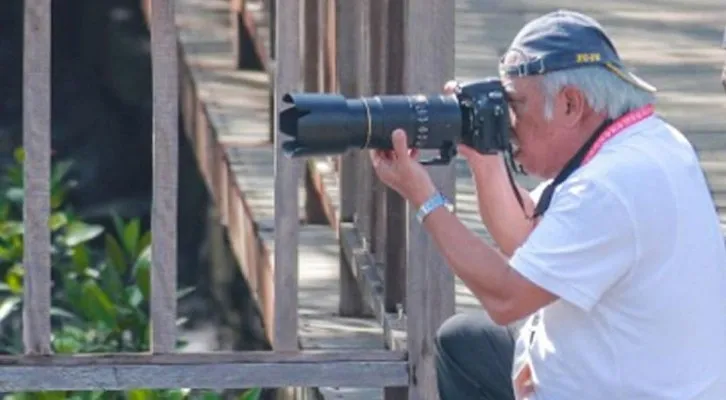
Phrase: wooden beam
(36, 206)
(287, 177)
(348, 56)
(165, 67)
(430, 294)
(370, 368)
(395, 225)
(365, 270)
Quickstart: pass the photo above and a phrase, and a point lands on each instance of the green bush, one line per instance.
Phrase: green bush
(101, 285)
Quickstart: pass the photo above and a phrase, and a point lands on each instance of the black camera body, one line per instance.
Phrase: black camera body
(477, 115)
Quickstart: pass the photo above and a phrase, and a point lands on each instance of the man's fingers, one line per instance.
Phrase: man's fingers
(450, 87)
(399, 143)
(465, 150)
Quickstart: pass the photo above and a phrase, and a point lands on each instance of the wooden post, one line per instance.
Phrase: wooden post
(378, 61)
(396, 232)
(313, 81)
(348, 55)
(36, 207)
(287, 177)
(429, 62)
(165, 66)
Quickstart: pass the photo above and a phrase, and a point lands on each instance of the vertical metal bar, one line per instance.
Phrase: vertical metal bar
(287, 177)
(165, 66)
(36, 178)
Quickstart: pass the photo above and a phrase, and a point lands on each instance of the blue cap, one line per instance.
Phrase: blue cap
(563, 40)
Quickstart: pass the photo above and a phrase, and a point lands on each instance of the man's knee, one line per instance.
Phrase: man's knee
(471, 336)
(453, 334)
(474, 357)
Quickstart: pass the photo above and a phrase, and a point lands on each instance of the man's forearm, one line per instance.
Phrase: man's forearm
(499, 209)
(483, 269)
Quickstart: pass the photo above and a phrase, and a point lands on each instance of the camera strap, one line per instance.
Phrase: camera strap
(606, 131)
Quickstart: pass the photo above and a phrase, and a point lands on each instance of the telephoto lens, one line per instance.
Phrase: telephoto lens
(330, 124)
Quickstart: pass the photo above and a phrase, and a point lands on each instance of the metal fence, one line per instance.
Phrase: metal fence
(388, 263)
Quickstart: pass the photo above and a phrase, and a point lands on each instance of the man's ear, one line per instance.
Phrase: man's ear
(575, 105)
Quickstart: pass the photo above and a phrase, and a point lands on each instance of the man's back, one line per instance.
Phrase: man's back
(645, 316)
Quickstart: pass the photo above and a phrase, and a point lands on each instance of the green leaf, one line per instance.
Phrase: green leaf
(81, 259)
(134, 297)
(185, 292)
(209, 395)
(115, 254)
(140, 394)
(15, 195)
(10, 253)
(59, 172)
(72, 291)
(175, 394)
(57, 198)
(8, 306)
(78, 232)
(5, 288)
(111, 282)
(131, 236)
(61, 313)
(14, 278)
(58, 220)
(142, 269)
(144, 242)
(19, 155)
(118, 224)
(9, 229)
(67, 344)
(252, 394)
(97, 305)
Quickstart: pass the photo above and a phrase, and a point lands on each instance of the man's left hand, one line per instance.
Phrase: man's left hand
(400, 170)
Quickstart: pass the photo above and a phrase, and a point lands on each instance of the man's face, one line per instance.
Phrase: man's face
(532, 133)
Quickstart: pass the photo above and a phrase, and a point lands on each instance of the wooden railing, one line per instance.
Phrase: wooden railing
(389, 266)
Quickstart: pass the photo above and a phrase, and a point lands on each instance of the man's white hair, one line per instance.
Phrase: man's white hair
(603, 90)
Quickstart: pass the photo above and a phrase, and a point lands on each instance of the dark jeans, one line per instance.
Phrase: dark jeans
(474, 358)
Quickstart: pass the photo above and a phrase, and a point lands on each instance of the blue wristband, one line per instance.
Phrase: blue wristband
(434, 202)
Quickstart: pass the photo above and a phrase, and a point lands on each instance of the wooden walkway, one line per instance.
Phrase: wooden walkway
(225, 116)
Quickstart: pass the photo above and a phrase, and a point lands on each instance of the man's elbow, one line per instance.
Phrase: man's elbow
(503, 311)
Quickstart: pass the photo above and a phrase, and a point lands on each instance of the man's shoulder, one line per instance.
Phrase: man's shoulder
(651, 154)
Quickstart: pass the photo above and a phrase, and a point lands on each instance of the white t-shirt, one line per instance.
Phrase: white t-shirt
(631, 244)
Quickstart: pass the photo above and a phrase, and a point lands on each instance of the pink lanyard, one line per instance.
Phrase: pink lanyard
(618, 126)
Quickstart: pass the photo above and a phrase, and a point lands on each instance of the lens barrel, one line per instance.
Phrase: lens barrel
(329, 124)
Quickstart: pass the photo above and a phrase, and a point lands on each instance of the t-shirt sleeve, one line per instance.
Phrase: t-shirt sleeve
(584, 242)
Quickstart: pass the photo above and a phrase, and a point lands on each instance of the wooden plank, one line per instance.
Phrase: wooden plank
(215, 357)
(329, 49)
(287, 177)
(395, 227)
(348, 55)
(36, 207)
(364, 202)
(378, 61)
(165, 175)
(364, 269)
(373, 368)
(430, 298)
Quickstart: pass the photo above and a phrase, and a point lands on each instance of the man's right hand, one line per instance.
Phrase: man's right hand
(498, 207)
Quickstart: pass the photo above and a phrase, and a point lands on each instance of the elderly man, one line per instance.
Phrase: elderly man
(616, 263)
